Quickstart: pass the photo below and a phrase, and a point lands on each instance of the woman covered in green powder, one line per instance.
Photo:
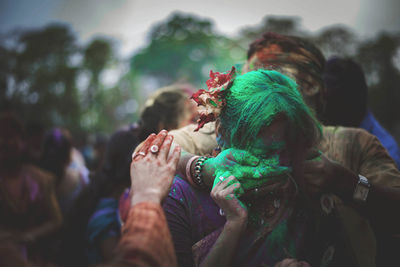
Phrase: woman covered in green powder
(255, 221)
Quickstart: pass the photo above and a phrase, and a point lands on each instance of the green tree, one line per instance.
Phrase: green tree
(376, 56)
(40, 78)
(336, 40)
(284, 25)
(185, 47)
(97, 55)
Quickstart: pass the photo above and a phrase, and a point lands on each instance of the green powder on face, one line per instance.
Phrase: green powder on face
(268, 170)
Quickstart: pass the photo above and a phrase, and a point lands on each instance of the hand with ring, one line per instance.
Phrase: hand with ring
(152, 170)
(223, 193)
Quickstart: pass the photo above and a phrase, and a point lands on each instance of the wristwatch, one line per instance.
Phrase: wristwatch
(362, 189)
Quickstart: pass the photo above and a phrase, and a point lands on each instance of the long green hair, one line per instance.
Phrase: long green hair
(255, 99)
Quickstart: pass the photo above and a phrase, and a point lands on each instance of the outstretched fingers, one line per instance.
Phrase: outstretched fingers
(174, 157)
(157, 142)
(165, 147)
(144, 147)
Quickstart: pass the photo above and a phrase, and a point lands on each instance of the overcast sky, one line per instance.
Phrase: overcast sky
(130, 20)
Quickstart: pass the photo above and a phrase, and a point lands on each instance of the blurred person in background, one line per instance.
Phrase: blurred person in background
(29, 210)
(94, 229)
(67, 165)
(35, 133)
(347, 102)
(168, 108)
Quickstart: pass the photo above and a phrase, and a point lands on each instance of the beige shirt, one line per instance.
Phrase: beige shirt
(202, 142)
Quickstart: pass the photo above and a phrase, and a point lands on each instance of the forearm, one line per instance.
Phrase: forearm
(183, 161)
(380, 206)
(222, 251)
(146, 240)
(186, 165)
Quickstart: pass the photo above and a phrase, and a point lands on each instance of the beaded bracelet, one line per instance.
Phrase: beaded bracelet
(198, 166)
(188, 166)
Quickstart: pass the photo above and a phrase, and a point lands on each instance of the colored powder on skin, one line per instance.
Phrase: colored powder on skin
(261, 150)
(266, 170)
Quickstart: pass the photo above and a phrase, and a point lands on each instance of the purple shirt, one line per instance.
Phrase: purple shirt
(193, 215)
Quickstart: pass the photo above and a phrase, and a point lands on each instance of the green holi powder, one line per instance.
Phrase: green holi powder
(213, 103)
(261, 150)
(267, 170)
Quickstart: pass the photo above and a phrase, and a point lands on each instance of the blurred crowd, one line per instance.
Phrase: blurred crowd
(300, 172)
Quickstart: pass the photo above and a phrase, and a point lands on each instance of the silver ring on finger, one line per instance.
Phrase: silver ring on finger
(154, 149)
(141, 153)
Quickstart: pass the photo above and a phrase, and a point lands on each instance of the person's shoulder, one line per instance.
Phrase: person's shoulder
(345, 132)
(43, 177)
(208, 128)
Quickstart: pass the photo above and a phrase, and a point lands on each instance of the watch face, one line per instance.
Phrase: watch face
(361, 193)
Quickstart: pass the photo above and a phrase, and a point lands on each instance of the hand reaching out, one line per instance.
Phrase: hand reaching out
(322, 175)
(152, 171)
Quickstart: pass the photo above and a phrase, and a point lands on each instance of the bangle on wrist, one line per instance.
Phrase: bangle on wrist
(198, 166)
(189, 177)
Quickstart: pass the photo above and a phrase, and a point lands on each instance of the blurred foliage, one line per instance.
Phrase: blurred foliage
(40, 71)
(185, 48)
(336, 40)
(40, 84)
(96, 56)
(47, 76)
(283, 25)
(377, 56)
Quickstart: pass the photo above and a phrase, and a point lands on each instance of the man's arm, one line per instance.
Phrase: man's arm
(365, 156)
(146, 240)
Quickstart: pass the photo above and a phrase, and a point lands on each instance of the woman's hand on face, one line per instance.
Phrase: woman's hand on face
(231, 160)
(223, 193)
(152, 171)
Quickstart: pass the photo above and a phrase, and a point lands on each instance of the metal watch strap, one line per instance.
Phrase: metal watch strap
(362, 189)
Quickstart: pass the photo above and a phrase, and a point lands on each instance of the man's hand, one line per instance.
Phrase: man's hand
(152, 171)
(322, 175)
